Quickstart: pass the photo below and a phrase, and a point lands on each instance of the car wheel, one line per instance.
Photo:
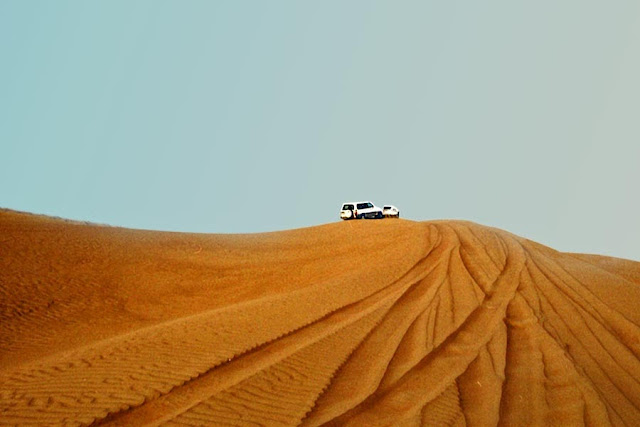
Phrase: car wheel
(379, 215)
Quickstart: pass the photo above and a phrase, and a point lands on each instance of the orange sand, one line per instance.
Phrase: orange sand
(351, 323)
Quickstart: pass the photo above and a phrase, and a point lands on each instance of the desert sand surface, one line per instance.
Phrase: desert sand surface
(378, 322)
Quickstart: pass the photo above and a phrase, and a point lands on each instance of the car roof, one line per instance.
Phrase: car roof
(355, 203)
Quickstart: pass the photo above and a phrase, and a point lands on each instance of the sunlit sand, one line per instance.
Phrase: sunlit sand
(370, 322)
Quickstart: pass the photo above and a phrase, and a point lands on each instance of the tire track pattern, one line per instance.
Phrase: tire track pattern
(485, 329)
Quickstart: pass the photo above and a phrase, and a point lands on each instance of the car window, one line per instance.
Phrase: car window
(362, 205)
(347, 208)
(369, 205)
(387, 207)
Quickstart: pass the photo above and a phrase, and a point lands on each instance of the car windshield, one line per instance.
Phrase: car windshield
(387, 207)
(364, 205)
(347, 208)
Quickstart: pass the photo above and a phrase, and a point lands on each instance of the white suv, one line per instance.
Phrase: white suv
(360, 210)
(390, 211)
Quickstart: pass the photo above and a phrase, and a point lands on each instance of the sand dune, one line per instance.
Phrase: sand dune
(388, 322)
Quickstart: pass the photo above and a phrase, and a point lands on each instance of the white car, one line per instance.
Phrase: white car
(360, 210)
(390, 211)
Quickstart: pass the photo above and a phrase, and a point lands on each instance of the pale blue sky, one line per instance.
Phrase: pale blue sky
(247, 116)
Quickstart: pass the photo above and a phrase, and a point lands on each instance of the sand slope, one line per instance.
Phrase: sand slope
(387, 322)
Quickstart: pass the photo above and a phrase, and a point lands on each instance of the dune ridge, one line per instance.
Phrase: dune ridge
(389, 322)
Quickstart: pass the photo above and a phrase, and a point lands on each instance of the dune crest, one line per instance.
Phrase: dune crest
(388, 322)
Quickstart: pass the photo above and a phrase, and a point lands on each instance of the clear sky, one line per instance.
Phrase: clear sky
(247, 116)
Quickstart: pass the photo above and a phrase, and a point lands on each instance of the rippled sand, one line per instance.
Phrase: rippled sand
(387, 322)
